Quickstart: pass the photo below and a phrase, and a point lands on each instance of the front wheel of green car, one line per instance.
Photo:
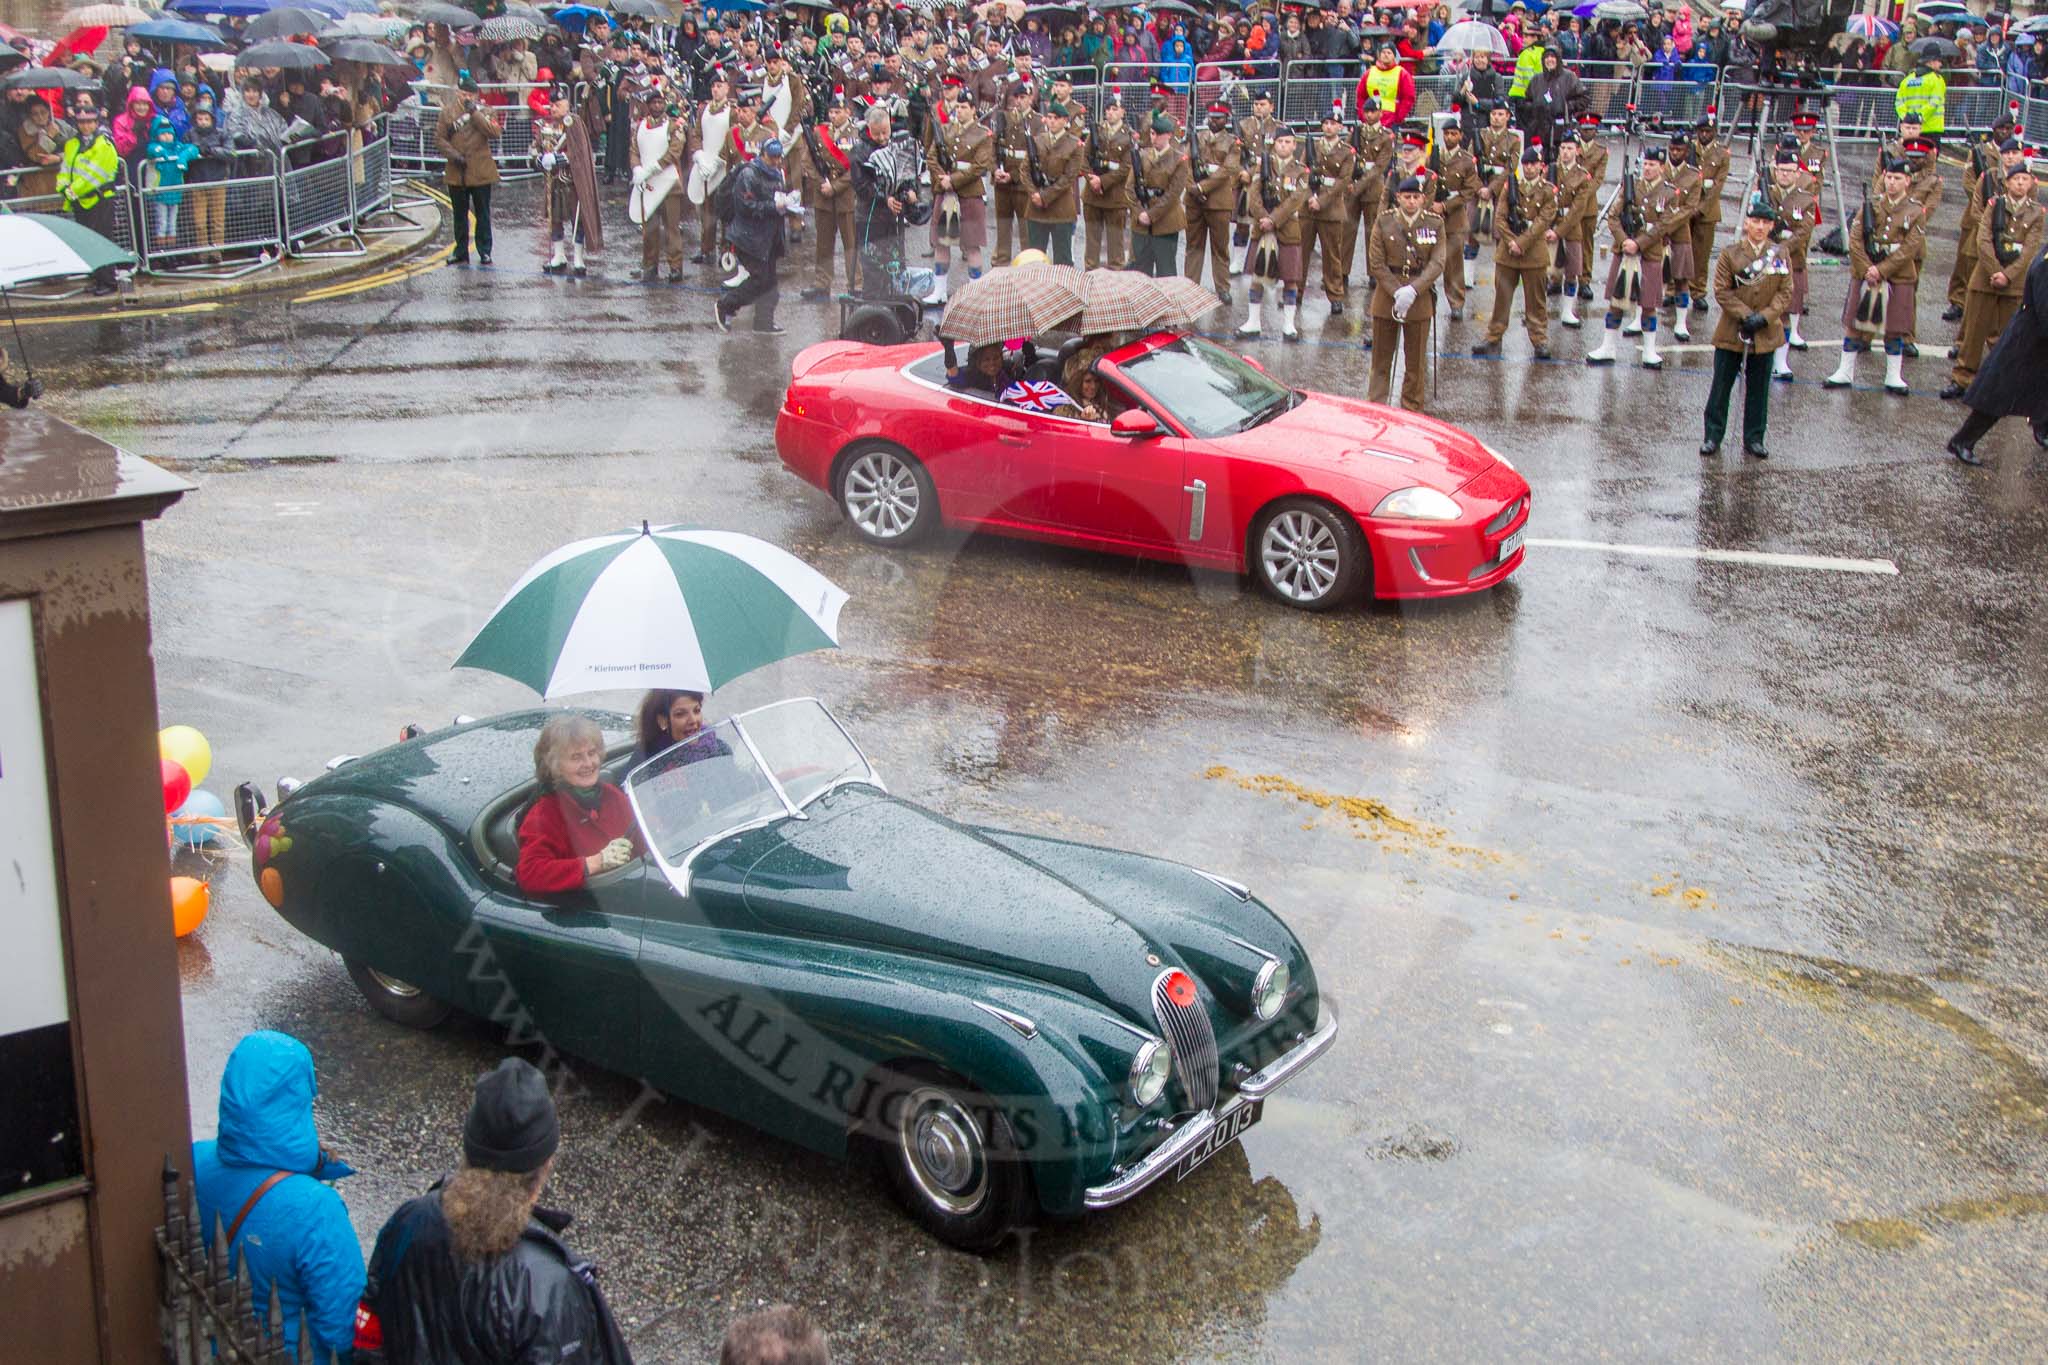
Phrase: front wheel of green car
(952, 1158)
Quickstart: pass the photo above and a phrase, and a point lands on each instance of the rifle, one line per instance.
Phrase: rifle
(1267, 199)
(1518, 222)
(1145, 193)
(1039, 179)
(1631, 208)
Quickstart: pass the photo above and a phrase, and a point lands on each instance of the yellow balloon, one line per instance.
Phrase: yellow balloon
(1033, 256)
(187, 748)
(190, 899)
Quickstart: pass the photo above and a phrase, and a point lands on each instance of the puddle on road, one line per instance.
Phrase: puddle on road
(1909, 1230)
(1368, 818)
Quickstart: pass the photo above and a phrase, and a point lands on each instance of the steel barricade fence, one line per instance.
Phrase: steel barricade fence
(191, 229)
(1308, 88)
(1974, 108)
(1130, 82)
(411, 134)
(1675, 102)
(319, 210)
(1235, 83)
(2034, 116)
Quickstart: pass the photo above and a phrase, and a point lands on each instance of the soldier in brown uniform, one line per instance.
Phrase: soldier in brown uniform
(1160, 188)
(2007, 240)
(1014, 127)
(1813, 153)
(1051, 176)
(1577, 204)
(1978, 162)
(1499, 155)
(1405, 254)
(1254, 148)
(1456, 177)
(1640, 221)
(1798, 210)
(1279, 204)
(1106, 191)
(1593, 156)
(1710, 156)
(963, 158)
(1374, 143)
(1753, 286)
(828, 146)
(1887, 240)
(660, 142)
(1524, 211)
(1923, 164)
(1680, 269)
(1212, 198)
(1329, 204)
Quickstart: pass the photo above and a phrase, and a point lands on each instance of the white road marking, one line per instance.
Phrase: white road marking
(1825, 563)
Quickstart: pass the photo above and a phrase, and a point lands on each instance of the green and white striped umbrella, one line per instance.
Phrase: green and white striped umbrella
(672, 607)
(38, 246)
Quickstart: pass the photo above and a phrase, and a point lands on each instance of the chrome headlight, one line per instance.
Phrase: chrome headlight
(1149, 1073)
(1269, 992)
(1418, 504)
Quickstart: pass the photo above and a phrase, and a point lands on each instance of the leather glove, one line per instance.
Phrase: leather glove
(1754, 323)
(1404, 299)
(615, 854)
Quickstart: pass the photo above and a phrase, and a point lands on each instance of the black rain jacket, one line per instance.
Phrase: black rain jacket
(538, 1304)
(2009, 383)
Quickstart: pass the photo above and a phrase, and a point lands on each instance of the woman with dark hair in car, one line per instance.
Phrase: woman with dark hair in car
(667, 718)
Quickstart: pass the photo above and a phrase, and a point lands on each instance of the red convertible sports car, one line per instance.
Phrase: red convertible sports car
(1205, 459)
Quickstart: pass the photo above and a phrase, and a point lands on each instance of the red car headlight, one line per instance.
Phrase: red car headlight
(1418, 504)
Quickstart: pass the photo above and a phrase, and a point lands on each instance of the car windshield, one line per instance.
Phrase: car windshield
(1211, 391)
(713, 782)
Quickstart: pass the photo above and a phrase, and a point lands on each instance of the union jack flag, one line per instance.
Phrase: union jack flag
(1038, 395)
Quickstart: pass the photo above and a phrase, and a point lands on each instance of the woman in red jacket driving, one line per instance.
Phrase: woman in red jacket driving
(580, 825)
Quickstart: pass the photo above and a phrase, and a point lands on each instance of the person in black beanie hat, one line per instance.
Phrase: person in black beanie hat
(472, 1272)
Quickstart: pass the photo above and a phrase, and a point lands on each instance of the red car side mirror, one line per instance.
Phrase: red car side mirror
(1134, 424)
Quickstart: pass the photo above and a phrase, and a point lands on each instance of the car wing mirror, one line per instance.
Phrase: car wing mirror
(1134, 424)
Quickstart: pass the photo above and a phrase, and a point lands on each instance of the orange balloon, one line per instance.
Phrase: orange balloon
(190, 900)
(273, 887)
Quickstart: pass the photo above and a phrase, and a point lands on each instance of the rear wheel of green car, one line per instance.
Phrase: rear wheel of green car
(399, 1001)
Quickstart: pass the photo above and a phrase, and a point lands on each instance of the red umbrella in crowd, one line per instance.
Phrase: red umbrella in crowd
(85, 40)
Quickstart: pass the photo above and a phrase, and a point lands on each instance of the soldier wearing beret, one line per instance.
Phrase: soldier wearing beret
(2007, 239)
(1106, 188)
(1753, 288)
(1406, 254)
(1014, 127)
(1160, 188)
(1330, 161)
(1278, 195)
(1524, 212)
(1640, 221)
(1792, 198)
(1053, 170)
(1577, 205)
(1212, 198)
(1887, 242)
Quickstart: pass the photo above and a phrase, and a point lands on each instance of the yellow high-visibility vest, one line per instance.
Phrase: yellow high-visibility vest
(1384, 86)
(1924, 93)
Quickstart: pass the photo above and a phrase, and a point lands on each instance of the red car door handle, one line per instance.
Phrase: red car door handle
(1014, 440)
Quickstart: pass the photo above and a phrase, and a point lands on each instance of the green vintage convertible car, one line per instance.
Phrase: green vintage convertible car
(1014, 1024)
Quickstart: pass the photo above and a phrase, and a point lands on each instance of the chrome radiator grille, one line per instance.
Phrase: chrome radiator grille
(1185, 1025)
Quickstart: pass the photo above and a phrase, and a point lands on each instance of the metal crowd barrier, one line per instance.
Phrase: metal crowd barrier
(319, 210)
(219, 229)
(1235, 83)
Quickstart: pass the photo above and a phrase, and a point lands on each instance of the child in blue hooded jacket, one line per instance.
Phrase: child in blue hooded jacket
(169, 155)
(294, 1233)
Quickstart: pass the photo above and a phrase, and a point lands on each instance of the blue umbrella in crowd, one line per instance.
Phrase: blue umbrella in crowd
(239, 8)
(178, 31)
(743, 6)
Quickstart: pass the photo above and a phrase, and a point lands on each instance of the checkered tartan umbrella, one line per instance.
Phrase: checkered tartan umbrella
(1125, 301)
(1013, 301)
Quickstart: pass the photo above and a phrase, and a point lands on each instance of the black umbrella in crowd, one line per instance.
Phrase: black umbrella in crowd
(825, 5)
(48, 78)
(452, 16)
(11, 56)
(363, 52)
(642, 9)
(1936, 47)
(284, 23)
(515, 9)
(284, 56)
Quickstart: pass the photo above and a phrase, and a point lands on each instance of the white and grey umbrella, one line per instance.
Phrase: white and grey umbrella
(1470, 35)
(670, 606)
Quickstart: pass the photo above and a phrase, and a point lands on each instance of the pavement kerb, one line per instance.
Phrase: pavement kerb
(385, 252)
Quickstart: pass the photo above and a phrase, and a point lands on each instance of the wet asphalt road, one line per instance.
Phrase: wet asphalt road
(1687, 923)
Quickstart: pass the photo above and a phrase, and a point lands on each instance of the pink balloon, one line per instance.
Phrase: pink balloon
(177, 784)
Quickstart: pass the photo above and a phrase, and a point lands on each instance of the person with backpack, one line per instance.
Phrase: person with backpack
(267, 1185)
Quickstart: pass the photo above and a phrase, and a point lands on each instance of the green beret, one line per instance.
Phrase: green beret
(1162, 123)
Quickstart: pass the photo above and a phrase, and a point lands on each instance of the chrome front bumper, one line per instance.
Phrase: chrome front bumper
(1189, 1135)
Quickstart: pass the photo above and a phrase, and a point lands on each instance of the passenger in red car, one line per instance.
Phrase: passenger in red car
(580, 825)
